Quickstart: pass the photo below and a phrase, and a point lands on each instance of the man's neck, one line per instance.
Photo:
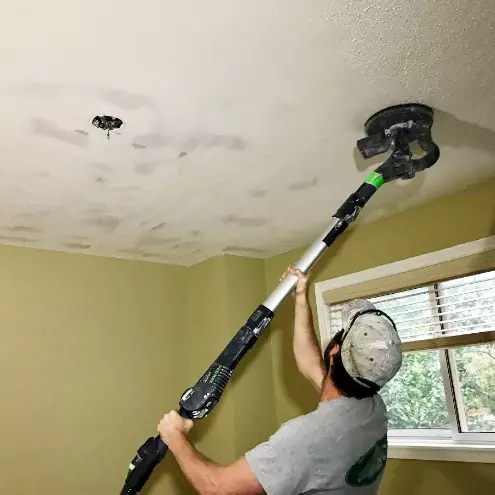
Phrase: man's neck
(329, 390)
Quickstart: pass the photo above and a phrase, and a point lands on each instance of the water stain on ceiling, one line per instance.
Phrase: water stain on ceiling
(49, 129)
(244, 221)
(77, 245)
(26, 228)
(258, 193)
(303, 185)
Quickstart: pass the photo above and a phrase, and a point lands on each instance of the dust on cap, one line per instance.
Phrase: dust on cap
(371, 349)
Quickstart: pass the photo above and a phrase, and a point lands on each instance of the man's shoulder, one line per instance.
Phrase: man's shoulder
(350, 409)
(344, 405)
(338, 413)
(324, 412)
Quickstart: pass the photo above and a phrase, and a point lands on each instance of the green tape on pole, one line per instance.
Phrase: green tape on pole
(375, 179)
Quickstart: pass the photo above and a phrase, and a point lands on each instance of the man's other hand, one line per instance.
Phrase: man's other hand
(302, 286)
(173, 425)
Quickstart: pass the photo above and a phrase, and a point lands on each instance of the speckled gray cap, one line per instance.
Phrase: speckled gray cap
(371, 349)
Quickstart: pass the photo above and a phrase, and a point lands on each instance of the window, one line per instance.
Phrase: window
(443, 397)
(451, 389)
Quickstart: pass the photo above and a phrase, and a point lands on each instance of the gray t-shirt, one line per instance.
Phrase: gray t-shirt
(341, 448)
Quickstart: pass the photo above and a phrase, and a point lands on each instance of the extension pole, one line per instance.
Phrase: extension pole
(198, 401)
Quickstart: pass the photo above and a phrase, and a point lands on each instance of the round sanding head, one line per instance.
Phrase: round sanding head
(384, 119)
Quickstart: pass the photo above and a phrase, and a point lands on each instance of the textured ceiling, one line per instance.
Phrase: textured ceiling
(240, 117)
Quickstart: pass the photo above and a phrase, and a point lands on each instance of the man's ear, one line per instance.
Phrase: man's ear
(335, 350)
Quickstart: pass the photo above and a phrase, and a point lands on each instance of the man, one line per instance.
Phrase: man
(339, 448)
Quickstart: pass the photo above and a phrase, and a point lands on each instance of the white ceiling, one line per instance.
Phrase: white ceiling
(241, 117)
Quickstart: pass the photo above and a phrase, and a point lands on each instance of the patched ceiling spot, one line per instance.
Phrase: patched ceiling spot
(301, 186)
(26, 228)
(107, 222)
(23, 240)
(128, 188)
(191, 144)
(97, 209)
(185, 245)
(42, 174)
(153, 255)
(241, 250)
(142, 254)
(152, 140)
(187, 143)
(226, 141)
(50, 129)
(245, 221)
(145, 168)
(182, 154)
(100, 180)
(127, 100)
(76, 245)
(238, 144)
(156, 241)
(31, 217)
(258, 193)
(101, 166)
(158, 227)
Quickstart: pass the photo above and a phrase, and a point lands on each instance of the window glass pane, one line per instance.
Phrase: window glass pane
(415, 398)
(476, 370)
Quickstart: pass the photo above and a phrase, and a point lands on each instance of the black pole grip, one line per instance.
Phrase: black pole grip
(148, 456)
(161, 447)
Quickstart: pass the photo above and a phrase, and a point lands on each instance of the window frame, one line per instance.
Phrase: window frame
(435, 444)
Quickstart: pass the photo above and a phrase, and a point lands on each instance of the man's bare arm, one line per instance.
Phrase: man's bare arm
(207, 477)
(305, 344)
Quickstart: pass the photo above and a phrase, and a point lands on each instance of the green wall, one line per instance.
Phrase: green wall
(91, 353)
(452, 220)
(253, 387)
(222, 293)
(95, 350)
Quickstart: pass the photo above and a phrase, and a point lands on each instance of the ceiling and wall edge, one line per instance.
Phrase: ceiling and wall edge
(484, 190)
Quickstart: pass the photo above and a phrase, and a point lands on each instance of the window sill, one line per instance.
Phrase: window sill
(440, 450)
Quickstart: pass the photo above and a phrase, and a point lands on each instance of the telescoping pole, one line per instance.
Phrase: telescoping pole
(198, 401)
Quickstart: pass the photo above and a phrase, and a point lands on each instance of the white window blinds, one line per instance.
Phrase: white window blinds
(461, 306)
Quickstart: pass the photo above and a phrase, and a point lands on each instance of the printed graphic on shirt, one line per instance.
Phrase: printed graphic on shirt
(367, 469)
